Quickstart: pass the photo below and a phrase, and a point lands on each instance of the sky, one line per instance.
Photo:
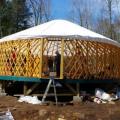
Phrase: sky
(61, 9)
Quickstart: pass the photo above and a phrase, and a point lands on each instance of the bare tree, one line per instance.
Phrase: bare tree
(109, 4)
(81, 12)
(40, 10)
(102, 16)
(108, 18)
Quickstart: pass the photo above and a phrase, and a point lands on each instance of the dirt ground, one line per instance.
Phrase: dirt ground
(82, 111)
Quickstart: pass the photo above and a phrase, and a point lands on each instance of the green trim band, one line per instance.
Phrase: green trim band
(20, 78)
(33, 79)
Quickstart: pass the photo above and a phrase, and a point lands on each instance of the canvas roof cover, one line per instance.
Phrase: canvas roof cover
(59, 28)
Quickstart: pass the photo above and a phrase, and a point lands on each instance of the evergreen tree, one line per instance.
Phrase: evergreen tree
(14, 16)
(2, 2)
(5, 19)
(21, 14)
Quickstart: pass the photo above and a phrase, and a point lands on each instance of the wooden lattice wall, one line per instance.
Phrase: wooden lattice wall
(80, 59)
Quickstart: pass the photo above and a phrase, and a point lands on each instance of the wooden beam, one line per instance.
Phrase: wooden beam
(32, 88)
(41, 57)
(50, 94)
(70, 88)
(62, 59)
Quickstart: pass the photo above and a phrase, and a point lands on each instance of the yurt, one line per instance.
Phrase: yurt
(59, 48)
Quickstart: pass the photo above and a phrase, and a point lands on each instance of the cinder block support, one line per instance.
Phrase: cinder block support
(2, 91)
(77, 99)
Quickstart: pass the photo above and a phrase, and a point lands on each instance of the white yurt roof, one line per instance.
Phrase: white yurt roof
(59, 28)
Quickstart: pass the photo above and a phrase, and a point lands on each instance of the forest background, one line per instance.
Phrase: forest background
(102, 16)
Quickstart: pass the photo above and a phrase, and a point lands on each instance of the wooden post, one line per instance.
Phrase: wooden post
(117, 63)
(41, 57)
(28, 57)
(78, 89)
(25, 88)
(105, 57)
(62, 59)
(97, 59)
(87, 50)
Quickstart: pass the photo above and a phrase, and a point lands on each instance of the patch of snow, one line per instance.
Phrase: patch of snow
(99, 93)
(102, 95)
(7, 115)
(29, 99)
(118, 93)
(57, 84)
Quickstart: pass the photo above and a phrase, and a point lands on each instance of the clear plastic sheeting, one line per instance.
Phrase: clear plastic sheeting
(6, 115)
(118, 92)
(102, 97)
(29, 99)
(99, 93)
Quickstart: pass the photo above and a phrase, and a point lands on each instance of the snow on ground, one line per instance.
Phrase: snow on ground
(29, 99)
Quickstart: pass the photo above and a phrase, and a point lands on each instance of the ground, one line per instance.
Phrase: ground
(81, 111)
